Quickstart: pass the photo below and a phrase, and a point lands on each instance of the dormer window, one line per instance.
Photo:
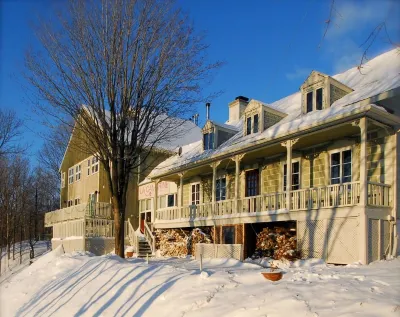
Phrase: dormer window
(320, 91)
(316, 104)
(208, 140)
(252, 124)
(255, 123)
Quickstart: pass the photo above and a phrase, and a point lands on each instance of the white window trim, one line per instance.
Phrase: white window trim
(191, 193)
(63, 180)
(226, 187)
(314, 100)
(340, 150)
(79, 201)
(71, 176)
(94, 165)
(283, 172)
(79, 172)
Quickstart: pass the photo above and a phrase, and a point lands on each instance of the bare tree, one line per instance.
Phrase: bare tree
(10, 132)
(137, 66)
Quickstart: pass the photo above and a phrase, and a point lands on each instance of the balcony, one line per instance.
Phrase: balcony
(97, 210)
(331, 196)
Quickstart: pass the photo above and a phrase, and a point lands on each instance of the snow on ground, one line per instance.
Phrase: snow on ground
(12, 266)
(79, 284)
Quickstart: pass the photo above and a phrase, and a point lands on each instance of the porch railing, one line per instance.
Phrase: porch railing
(337, 195)
(90, 210)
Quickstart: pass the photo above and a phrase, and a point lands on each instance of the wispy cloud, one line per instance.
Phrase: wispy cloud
(298, 73)
(351, 24)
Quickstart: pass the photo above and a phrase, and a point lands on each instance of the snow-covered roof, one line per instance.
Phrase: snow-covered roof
(225, 125)
(379, 75)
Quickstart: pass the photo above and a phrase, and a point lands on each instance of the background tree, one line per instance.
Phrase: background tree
(10, 132)
(138, 68)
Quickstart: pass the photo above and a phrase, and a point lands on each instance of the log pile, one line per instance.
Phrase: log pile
(179, 242)
(277, 243)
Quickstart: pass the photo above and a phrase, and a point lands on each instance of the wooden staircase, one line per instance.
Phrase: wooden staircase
(144, 248)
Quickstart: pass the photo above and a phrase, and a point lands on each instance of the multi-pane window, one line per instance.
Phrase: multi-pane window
(95, 165)
(70, 203)
(248, 126)
(341, 167)
(319, 97)
(295, 176)
(77, 201)
(309, 101)
(70, 175)
(170, 200)
(62, 179)
(252, 124)
(220, 189)
(77, 172)
(208, 140)
(252, 183)
(88, 167)
(255, 123)
(195, 194)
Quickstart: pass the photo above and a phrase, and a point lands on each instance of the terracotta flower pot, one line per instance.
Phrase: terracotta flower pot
(129, 254)
(274, 276)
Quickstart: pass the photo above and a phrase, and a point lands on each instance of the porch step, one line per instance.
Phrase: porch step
(144, 249)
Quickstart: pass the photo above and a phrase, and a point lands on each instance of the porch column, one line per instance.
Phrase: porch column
(155, 201)
(289, 146)
(363, 219)
(180, 200)
(237, 158)
(214, 180)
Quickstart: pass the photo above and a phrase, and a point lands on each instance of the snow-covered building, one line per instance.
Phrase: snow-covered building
(323, 162)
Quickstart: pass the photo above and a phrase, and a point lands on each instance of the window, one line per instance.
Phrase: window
(220, 189)
(255, 124)
(95, 165)
(77, 201)
(309, 101)
(208, 139)
(228, 234)
(70, 203)
(78, 172)
(248, 126)
(170, 200)
(88, 167)
(341, 167)
(252, 183)
(70, 175)
(319, 99)
(195, 194)
(295, 176)
(62, 179)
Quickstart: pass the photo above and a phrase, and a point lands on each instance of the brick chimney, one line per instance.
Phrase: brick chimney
(236, 108)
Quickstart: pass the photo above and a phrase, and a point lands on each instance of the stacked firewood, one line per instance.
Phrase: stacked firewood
(179, 242)
(277, 243)
(172, 242)
(198, 236)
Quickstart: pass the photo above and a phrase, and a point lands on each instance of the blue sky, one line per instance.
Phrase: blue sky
(269, 47)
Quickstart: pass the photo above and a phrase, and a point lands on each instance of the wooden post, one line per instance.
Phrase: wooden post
(155, 201)
(237, 158)
(214, 184)
(289, 146)
(363, 218)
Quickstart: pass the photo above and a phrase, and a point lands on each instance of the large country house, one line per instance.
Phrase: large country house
(323, 162)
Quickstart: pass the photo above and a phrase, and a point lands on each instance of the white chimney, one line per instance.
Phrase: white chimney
(236, 108)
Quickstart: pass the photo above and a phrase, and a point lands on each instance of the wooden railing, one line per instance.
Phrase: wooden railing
(337, 195)
(90, 210)
(379, 194)
(148, 234)
(133, 238)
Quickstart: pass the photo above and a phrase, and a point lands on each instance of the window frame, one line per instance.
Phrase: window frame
(78, 172)
(314, 93)
(94, 165)
(294, 161)
(231, 227)
(191, 193)
(71, 176)
(256, 128)
(63, 180)
(218, 197)
(341, 169)
(77, 199)
(322, 98)
(208, 140)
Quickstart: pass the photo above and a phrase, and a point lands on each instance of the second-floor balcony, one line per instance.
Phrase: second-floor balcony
(97, 210)
(331, 196)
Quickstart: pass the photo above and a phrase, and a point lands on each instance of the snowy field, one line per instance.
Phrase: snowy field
(78, 284)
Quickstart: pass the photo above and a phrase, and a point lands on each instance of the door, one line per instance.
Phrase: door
(142, 217)
(252, 189)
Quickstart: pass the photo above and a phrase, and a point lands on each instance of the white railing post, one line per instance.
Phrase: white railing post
(289, 146)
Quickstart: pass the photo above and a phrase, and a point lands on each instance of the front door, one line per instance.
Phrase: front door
(142, 217)
(252, 189)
